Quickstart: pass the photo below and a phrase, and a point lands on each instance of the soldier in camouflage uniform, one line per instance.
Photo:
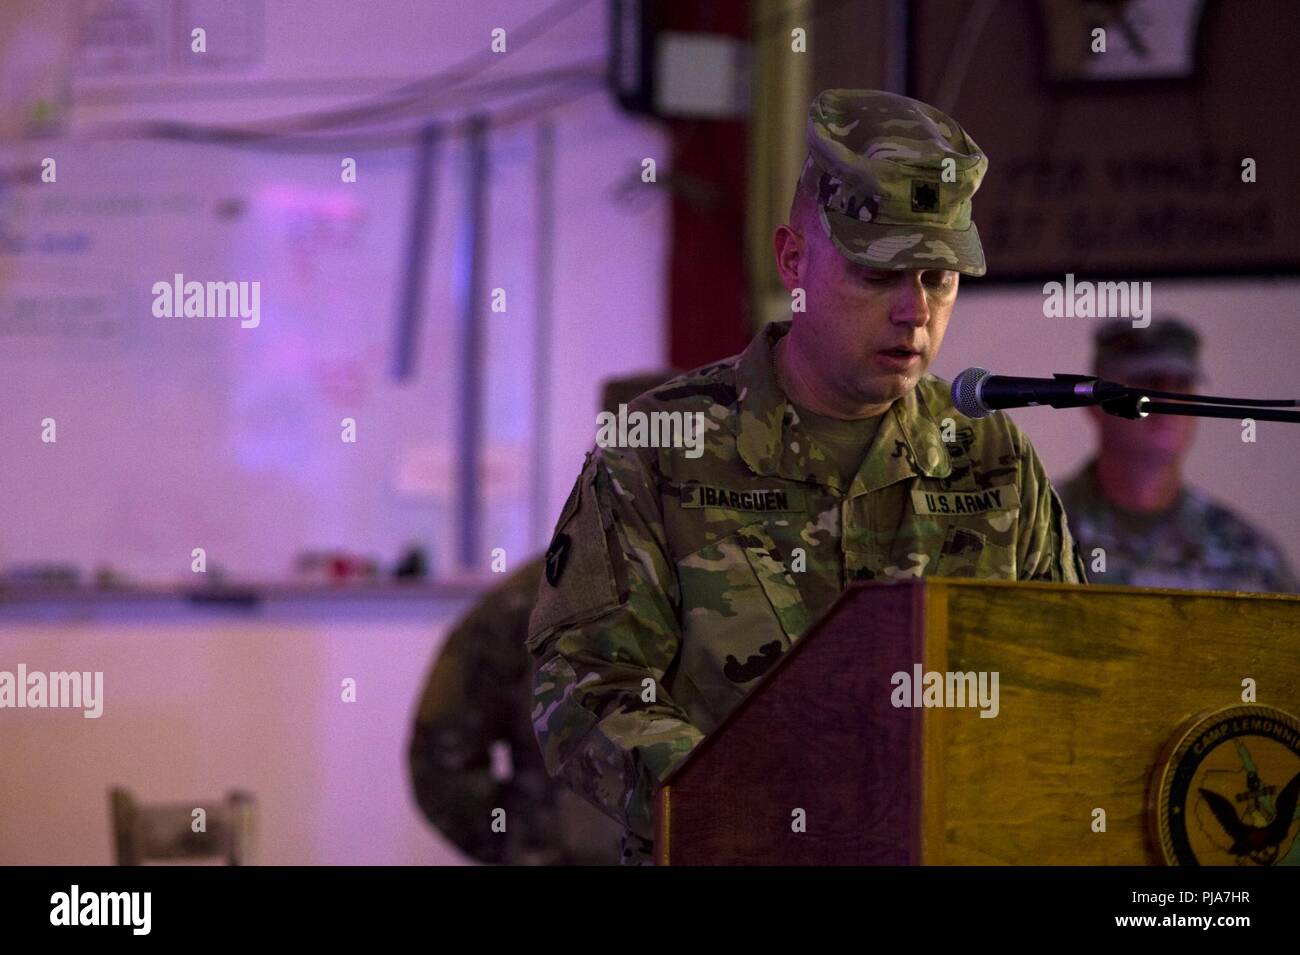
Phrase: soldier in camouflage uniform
(1134, 518)
(675, 580)
(477, 702)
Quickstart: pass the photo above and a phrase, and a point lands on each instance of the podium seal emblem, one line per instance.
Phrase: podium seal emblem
(1228, 789)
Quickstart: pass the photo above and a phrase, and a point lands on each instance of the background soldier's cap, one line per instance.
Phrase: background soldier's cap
(1166, 347)
(885, 195)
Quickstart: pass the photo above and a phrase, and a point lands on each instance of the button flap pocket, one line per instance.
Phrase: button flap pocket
(968, 552)
(774, 577)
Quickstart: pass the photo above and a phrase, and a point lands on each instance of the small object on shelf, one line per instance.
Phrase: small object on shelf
(43, 575)
(106, 578)
(331, 567)
(413, 565)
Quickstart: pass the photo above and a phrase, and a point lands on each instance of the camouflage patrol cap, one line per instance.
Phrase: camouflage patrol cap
(1165, 347)
(892, 179)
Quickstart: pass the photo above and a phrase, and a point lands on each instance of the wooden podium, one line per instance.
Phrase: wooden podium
(818, 766)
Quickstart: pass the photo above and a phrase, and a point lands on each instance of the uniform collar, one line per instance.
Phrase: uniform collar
(1093, 502)
(908, 442)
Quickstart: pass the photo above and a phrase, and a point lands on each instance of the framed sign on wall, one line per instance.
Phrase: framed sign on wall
(1137, 138)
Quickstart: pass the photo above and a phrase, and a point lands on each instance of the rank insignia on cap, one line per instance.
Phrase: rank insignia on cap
(897, 178)
(925, 196)
(556, 557)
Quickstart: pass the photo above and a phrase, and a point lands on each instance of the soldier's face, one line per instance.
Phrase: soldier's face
(1152, 441)
(873, 332)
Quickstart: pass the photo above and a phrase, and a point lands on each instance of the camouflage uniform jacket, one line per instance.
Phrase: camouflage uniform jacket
(477, 697)
(1198, 545)
(687, 578)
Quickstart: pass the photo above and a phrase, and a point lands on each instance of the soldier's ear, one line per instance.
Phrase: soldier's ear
(791, 248)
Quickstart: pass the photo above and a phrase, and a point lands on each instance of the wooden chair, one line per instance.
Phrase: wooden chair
(142, 833)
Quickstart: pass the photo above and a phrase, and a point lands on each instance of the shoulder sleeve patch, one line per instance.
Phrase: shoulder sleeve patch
(579, 583)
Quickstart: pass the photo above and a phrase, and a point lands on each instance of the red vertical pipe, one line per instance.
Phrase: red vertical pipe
(708, 296)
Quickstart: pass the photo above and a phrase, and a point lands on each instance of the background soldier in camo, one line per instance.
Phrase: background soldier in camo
(830, 456)
(476, 702)
(1129, 504)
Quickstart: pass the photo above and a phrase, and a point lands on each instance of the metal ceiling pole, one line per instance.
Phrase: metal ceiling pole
(544, 287)
(473, 248)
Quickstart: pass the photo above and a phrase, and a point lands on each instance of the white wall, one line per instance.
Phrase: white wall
(197, 702)
(610, 254)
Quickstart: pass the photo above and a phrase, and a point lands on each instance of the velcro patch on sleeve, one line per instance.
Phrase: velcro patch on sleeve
(1003, 497)
(579, 582)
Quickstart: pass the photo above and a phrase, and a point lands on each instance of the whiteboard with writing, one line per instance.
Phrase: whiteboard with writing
(172, 433)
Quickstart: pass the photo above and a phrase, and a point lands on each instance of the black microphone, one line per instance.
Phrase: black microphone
(977, 392)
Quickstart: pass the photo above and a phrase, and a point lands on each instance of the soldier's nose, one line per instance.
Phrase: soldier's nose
(910, 306)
